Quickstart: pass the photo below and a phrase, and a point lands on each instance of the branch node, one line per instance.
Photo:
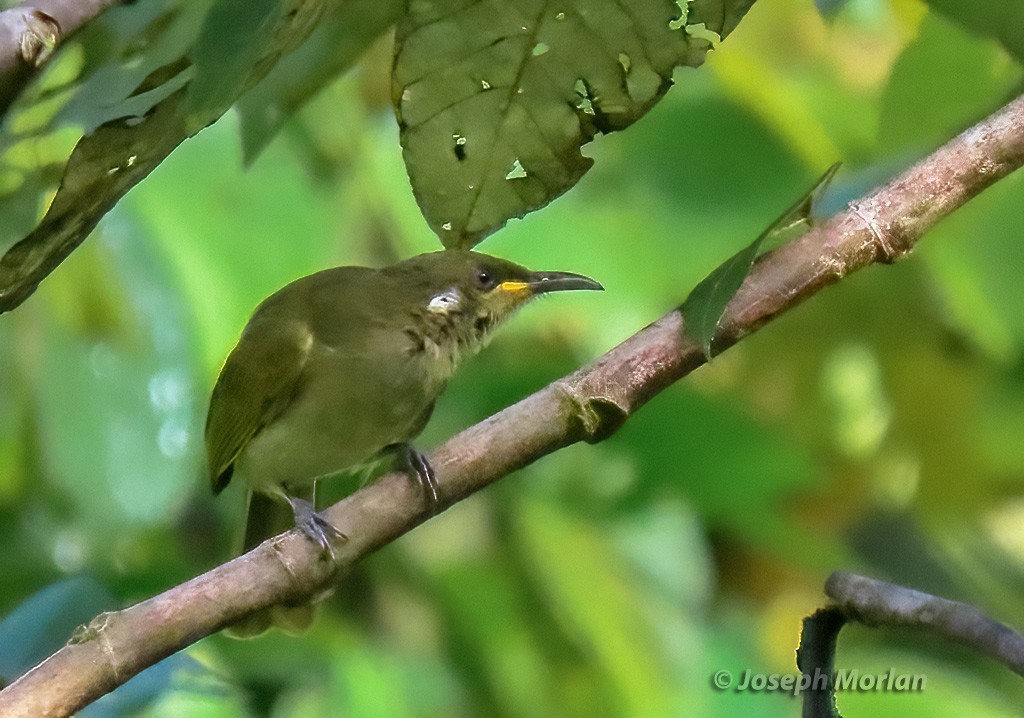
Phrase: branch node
(889, 245)
(112, 658)
(84, 634)
(97, 631)
(597, 417)
(40, 38)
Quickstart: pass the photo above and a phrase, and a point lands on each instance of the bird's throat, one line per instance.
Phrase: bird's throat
(444, 341)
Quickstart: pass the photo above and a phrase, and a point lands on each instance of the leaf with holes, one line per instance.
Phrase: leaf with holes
(703, 309)
(495, 99)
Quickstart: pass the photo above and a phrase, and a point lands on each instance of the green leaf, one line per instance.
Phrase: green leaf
(999, 19)
(102, 168)
(495, 99)
(129, 62)
(104, 165)
(346, 30)
(228, 46)
(703, 309)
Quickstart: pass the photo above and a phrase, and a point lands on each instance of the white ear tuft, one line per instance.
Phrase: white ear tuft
(445, 302)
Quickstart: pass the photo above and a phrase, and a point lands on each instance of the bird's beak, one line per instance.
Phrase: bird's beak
(544, 282)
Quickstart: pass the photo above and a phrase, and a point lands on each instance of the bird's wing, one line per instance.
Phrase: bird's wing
(260, 379)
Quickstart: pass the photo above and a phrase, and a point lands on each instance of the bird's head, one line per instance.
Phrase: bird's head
(478, 291)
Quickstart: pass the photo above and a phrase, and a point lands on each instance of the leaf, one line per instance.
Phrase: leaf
(107, 163)
(229, 45)
(346, 30)
(999, 19)
(495, 99)
(120, 54)
(704, 307)
(102, 168)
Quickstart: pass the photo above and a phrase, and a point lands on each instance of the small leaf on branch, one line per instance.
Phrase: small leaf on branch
(704, 307)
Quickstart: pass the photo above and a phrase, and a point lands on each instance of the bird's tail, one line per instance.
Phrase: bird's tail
(266, 517)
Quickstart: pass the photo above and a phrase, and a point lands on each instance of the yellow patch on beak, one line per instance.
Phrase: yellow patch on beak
(513, 287)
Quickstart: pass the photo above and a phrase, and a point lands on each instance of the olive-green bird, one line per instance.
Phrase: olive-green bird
(343, 366)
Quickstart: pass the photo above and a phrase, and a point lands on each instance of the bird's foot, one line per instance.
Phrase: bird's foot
(415, 462)
(316, 528)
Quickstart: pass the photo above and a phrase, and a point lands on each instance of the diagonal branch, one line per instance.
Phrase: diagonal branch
(29, 33)
(587, 405)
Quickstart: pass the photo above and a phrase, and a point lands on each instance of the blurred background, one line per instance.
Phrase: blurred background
(878, 428)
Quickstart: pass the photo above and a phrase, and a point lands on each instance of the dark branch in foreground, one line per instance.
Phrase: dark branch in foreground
(587, 405)
(816, 657)
(29, 33)
(877, 603)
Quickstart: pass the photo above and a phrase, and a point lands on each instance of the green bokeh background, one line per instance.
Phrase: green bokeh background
(878, 428)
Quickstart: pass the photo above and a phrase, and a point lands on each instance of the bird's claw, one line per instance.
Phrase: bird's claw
(416, 463)
(315, 527)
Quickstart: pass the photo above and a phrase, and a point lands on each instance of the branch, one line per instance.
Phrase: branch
(816, 657)
(29, 33)
(877, 603)
(587, 405)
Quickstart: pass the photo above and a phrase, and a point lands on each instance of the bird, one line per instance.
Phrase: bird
(342, 367)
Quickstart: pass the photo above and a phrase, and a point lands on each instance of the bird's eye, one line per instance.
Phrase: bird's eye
(484, 279)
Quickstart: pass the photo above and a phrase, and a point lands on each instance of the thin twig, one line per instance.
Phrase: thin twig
(587, 405)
